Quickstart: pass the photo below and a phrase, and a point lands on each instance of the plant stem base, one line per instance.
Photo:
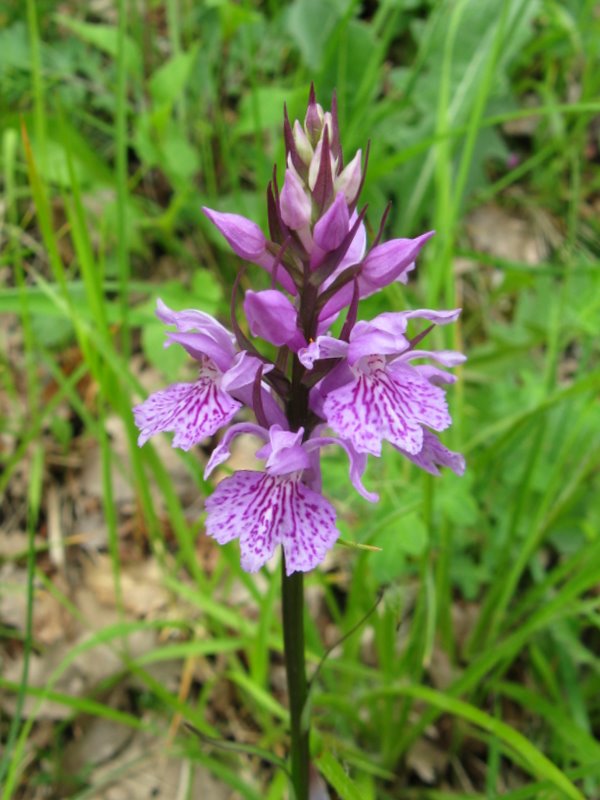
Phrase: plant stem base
(292, 596)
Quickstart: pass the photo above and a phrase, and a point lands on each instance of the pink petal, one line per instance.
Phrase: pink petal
(284, 452)
(244, 236)
(348, 181)
(438, 317)
(434, 455)
(190, 319)
(386, 262)
(272, 316)
(192, 411)
(379, 405)
(439, 377)
(264, 511)
(369, 338)
(200, 346)
(322, 347)
(333, 226)
(222, 451)
(358, 462)
(295, 204)
(248, 242)
(449, 358)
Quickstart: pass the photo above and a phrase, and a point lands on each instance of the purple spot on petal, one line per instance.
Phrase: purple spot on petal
(380, 405)
(263, 511)
(192, 411)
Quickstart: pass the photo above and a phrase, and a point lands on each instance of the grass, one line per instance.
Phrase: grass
(114, 132)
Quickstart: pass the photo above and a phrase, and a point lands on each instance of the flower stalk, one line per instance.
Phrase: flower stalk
(292, 600)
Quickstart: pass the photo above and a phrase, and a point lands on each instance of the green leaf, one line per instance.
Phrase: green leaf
(406, 536)
(233, 16)
(104, 37)
(169, 360)
(263, 109)
(334, 774)
(538, 763)
(310, 24)
(181, 160)
(169, 80)
(456, 498)
(14, 49)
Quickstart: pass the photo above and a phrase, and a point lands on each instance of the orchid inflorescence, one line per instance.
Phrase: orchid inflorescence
(362, 384)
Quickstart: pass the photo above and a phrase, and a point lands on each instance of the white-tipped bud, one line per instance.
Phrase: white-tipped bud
(328, 123)
(348, 181)
(292, 168)
(315, 163)
(303, 146)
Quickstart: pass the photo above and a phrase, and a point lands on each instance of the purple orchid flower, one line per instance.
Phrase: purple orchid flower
(375, 394)
(194, 411)
(369, 385)
(278, 505)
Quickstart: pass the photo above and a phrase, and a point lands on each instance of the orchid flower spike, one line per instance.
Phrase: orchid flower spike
(363, 389)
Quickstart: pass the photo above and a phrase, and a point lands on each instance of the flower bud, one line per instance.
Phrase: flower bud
(390, 261)
(295, 205)
(271, 316)
(303, 146)
(348, 181)
(328, 123)
(313, 122)
(315, 165)
(331, 229)
(244, 236)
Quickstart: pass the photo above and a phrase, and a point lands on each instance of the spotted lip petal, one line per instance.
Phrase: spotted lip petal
(380, 405)
(192, 411)
(278, 506)
(263, 511)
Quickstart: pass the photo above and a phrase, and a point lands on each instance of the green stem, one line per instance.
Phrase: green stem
(292, 595)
